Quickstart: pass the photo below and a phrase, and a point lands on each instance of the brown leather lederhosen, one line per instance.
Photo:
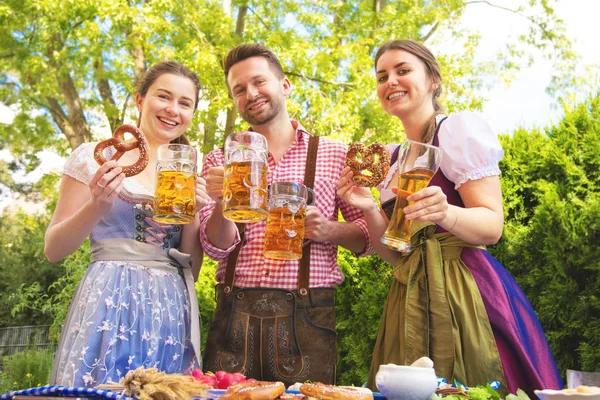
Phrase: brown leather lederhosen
(274, 334)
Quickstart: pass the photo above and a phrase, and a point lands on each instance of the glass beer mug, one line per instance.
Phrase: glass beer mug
(245, 181)
(417, 164)
(285, 223)
(175, 195)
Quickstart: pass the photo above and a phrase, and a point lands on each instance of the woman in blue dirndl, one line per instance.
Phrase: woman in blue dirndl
(136, 305)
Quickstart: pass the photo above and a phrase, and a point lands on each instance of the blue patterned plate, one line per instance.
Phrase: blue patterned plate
(63, 391)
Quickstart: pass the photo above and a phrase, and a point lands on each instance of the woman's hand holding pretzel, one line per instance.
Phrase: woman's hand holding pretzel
(354, 194)
(105, 186)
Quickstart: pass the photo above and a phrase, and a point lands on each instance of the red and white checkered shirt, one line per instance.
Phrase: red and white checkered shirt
(253, 268)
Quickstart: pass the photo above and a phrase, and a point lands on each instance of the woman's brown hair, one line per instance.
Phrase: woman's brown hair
(169, 67)
(433, 72)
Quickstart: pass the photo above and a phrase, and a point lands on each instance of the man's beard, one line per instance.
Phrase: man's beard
(273, 107)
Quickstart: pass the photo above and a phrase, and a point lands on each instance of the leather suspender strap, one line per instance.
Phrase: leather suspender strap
(304, 270)
(232, 260)
(309, 181)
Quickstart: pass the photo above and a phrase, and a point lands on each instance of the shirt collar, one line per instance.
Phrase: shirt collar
(302, 134)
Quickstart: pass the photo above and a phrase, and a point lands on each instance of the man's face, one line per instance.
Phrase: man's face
(258, 94)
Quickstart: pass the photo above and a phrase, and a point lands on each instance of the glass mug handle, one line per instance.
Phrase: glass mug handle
(311, 197)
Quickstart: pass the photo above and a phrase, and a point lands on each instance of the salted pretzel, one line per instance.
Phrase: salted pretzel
(330, 392)
(368, 169)
(121, 147)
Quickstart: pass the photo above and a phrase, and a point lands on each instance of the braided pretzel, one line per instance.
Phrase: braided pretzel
(121, 147)
(368, 170)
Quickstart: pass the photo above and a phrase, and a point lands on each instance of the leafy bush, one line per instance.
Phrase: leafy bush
(205, 289)
(24, 264)
(551, 184)
(27, 369)
(359, 304)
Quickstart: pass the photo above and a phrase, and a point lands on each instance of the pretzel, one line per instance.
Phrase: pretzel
(330, 392)
(121, 147)
(254, 391)
(368, 170)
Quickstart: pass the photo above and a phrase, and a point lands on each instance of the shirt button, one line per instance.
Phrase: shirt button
(266, 273)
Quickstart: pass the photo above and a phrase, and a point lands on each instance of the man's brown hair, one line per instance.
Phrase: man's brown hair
(245, 51)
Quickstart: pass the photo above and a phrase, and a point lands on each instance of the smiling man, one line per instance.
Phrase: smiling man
(265, 325)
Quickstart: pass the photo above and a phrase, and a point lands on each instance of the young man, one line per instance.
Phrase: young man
(275, 319)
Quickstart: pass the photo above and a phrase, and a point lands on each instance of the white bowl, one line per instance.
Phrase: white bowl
(401, 382)
(565, 394)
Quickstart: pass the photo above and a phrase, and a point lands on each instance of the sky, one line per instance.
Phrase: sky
(524, 103)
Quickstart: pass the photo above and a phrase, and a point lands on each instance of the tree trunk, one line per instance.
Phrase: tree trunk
(139, 60)
(378, 5)
(338, 18)
(108, 103)
(63, 123)
(239, 31)
(241, 20)
(76, 116)
(136, 49)
(74, 126)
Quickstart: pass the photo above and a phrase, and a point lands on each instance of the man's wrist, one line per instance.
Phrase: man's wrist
(328, 231)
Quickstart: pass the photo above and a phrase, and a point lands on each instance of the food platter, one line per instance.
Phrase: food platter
(580, 393)
(376, 395)
(213, 394)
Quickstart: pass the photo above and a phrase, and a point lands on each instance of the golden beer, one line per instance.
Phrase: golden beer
(245, 191)
(399, 230)
(285, 233)
(175, 197)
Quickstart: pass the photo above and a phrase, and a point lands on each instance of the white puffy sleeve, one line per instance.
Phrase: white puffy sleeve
(471, 150)
(81, 164)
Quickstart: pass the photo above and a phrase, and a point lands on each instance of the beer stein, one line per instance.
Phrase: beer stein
(175, 195)
(285, 223)
(417, 164)
(245, 182)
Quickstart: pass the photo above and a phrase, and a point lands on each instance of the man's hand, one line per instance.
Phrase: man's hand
(214, 183)
(316, 225)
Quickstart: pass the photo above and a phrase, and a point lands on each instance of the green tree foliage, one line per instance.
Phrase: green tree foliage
(551, 186)
(69, 67)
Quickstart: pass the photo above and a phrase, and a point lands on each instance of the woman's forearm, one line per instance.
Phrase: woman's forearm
(377, 225)
(476, 225)
(65, 237)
